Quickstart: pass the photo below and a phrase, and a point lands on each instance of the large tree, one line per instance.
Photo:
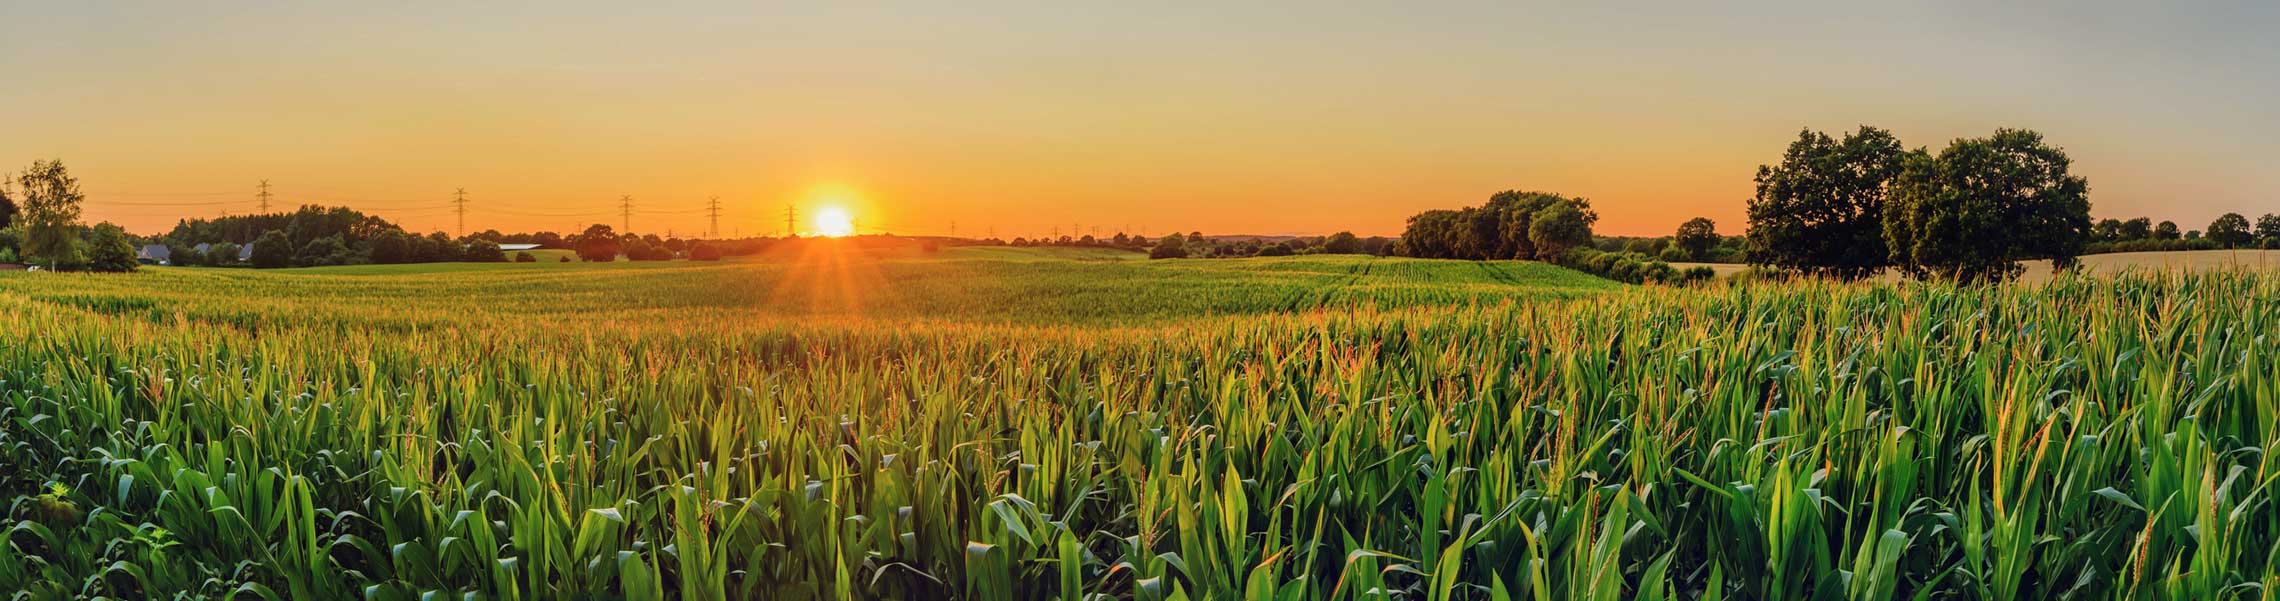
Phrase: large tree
(1973, 211)
(50, 212)
(2231, 230)
(109, 249)
(1696, 237)
(2268, 230)
(7, 205)
(1818, 211)
(2137, 229)
(1559, 227)
(272, 250)
(598, 243)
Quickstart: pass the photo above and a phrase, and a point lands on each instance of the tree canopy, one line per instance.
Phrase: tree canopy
(1982, 204)
(1819, 210)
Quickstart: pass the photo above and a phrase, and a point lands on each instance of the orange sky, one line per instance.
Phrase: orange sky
(1020, 119)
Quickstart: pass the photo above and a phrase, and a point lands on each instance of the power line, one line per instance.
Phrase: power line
(791, 215)
(265, 196)
(625, 211)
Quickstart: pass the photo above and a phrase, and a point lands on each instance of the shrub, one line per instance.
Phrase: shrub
(524, 257)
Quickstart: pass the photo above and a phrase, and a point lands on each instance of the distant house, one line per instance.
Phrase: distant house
(516, 247)
(155, 254)
(245, 253)
(203, 247)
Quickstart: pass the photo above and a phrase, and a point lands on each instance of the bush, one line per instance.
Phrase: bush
(272, 250)
(1675, 254)
(524, 257)
(564, 259)
(704, 251)
(484, 251)
(108, 249)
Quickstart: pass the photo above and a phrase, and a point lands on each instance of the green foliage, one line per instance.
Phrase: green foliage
(704, 251)
(1981, 205)
(1342, 243)
(598, 243)
(2268, 230)
(272, 250)
(222, 253)
(997, 428)
(2231, 231)
(50, 206)
(391, 247)
(1558, 227)
(483, 251)
(1626, 267)
(1696, 238)
(2167, 230)
(1819, 211)
(329, 250)
(1502, 228)
(109, 249)
(525, 257)
(1172, 246)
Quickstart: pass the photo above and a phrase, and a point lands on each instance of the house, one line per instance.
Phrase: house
(155, 254)
(245, 253)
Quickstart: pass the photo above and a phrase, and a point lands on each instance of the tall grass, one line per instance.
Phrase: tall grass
(2082, 439)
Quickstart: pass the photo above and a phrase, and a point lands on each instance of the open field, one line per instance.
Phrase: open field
(1011, 423)
(2110, 263)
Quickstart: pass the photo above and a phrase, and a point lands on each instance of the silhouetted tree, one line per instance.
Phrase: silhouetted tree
(1819, 210)
(1342, 243)
(272, 250)
(1169, 247)
(2268, 230)
(391, 247)
(1696, 237)
(704, 251)
(2231, 230)
(598, 243)
(2107, 230)
(1982, 204)
(7, 204)
(2137, 229)
(2166, 230)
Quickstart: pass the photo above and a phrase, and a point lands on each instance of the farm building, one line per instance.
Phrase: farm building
(155, 254)
(516, 247)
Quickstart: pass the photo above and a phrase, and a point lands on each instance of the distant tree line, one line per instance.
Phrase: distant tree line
(318, 236)
(2141, 234)
(1541, 226)
(1195, 245)
(39, 225)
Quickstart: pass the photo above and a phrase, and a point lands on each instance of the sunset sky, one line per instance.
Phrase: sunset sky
(1015, 119)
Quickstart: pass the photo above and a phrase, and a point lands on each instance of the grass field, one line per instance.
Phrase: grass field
(1016, 423)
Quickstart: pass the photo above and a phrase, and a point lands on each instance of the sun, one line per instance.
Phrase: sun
(834, 222)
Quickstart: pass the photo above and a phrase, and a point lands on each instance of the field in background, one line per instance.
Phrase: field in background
(2111, 263)
(1015, 423)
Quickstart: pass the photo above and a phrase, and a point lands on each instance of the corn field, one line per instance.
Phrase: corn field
(1258, 429)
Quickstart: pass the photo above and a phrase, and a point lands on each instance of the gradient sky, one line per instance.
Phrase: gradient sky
(1015, 118)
